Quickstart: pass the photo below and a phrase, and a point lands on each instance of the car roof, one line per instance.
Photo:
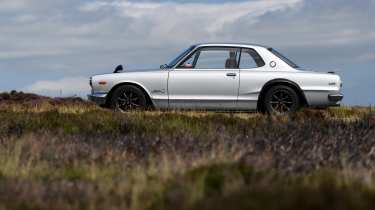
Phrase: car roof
(230, 45)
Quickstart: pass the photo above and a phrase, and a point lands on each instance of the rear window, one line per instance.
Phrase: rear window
(285, 59)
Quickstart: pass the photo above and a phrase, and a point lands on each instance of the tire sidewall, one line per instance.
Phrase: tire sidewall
(120, 90)
(273, 90)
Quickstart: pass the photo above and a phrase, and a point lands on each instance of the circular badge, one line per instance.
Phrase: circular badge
(273, 64)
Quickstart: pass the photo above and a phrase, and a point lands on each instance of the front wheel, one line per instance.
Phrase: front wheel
(128, 98)
(281, 99)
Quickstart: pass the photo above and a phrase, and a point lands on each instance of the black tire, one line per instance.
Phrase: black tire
(281, 99)
(128, 98)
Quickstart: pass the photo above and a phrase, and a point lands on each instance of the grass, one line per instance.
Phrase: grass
(70, 154)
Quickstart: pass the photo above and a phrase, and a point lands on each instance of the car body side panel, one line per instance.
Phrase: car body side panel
(203, 89)
(315, 87)
(155, 83)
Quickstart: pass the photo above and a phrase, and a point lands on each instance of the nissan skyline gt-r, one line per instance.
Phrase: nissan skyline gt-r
(231, 77)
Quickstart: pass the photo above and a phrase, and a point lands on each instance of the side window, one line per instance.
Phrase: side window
(213, 58)
(250, 59)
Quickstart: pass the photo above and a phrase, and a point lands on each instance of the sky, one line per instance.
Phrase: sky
(52, 47)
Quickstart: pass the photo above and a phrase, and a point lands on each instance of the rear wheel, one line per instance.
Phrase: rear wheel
(281, 99)
(127, 98)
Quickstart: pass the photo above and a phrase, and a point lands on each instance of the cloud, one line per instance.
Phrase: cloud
(316, 23)
(215, 14)
(161, 22)
(25, 18)
(77, 86)
(366, 57)
(27, 53)
(13, 5)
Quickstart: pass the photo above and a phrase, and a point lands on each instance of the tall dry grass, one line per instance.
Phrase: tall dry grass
(70, 154)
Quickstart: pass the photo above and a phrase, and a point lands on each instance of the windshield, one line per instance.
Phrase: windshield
(179, 57)
(285, 59)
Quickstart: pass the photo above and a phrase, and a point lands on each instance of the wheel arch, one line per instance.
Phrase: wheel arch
(285, 82)
(143, 89)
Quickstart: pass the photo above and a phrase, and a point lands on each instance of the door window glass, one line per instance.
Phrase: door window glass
(213, 58)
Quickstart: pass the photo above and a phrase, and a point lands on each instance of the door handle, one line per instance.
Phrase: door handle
(231, 74)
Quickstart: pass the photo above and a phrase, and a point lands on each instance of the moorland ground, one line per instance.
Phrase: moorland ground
(71, 154)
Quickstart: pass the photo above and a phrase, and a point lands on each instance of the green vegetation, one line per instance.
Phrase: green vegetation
(70, 154)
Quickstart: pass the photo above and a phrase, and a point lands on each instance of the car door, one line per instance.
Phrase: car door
(207, 79)
(254, 73)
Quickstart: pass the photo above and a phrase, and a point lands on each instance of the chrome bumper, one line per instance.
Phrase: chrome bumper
(98, 98)
(335, 97)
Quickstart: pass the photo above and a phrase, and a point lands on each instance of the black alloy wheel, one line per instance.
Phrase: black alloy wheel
(281, 99)
(128, 98)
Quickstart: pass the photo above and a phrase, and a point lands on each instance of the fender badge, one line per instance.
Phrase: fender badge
(158, 91)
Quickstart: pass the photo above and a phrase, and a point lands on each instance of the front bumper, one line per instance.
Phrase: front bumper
(335, 97)
(98, 98)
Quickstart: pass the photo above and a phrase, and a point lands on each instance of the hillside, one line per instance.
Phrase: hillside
(71, 154)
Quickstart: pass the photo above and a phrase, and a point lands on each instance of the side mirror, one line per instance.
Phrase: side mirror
(164, 66)
(118, 69)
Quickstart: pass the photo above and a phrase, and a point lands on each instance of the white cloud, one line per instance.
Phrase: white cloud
(25, 18)
(9, 5)
(212, 15)
(176, 22)
(71, 86)
(366, 57)
(31, 53)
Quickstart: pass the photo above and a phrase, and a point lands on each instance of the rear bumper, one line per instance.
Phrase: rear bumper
(335, 97)
(98, 98)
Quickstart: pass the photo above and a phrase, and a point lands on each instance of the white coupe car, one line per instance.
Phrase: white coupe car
(233, 77)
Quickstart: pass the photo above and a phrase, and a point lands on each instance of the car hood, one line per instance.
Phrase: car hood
(133, 71)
